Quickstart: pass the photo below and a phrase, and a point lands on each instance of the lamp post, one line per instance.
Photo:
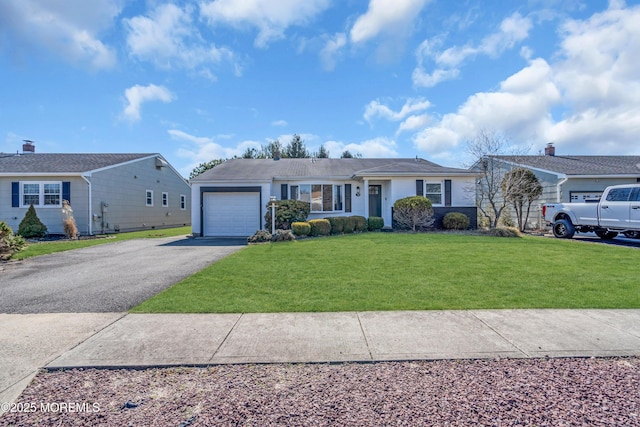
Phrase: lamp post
(272, 199)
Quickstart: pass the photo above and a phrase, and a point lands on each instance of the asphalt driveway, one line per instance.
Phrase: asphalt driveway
(106, 278)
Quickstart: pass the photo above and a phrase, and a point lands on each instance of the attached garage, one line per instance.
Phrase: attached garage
(231, 213)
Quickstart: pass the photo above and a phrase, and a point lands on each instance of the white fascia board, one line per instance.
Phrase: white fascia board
(312, 178)
(417, 176)
(230, 182)
(560, 175)
(33, 174)
(604, 176)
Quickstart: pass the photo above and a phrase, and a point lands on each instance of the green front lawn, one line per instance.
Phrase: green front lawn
(391, 271)
(43, 248)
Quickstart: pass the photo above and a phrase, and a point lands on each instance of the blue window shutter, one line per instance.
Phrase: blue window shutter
(284, 190)
(66, 191)
(347, 197)
(447, 192)
(419, 187)
(15, 194)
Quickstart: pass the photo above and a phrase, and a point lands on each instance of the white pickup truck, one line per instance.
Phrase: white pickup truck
(617, 211)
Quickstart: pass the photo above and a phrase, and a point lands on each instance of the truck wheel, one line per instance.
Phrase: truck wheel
(632, 234)
(563, 229)
(606, 234)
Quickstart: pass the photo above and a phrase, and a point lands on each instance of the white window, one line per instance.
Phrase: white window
(149, 197)
(321, 197)
(41, 194)
(165, 199)
(183, 202)
(433, 192)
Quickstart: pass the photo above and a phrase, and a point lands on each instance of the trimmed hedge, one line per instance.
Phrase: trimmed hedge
(320, 227)
(301, 228)
(503, 232)
(349, 224)
(359, 223)
(375, 223)
(455, 221)
(337, 224)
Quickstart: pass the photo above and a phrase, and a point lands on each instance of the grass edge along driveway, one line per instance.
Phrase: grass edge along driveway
(50, 247)
(394, 271)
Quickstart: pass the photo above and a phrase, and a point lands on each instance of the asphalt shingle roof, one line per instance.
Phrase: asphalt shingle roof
(580, 165)
(268, 169)
(62, 163)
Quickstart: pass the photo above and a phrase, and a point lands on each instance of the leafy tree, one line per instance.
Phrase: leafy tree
(346, 154)
(296, 149)
(322, 153)
(484, 149)
(31, 226)
(251, 153)
(9, 243)
(203, 167)
(521, 187)
(413, 212)
(271, 150)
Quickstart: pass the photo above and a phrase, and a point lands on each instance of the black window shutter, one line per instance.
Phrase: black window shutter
(419, 187)
(66, 191)
(15, 194)
(447, 192)
(347, 197)
(284, 191)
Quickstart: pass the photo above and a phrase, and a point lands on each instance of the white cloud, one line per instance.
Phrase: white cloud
(68, 29)
(137, 95)
(598, 75)
(385, 16)
(279, 123)
(168, 38)
(513, 30)
(201, 149)
(592, 88)
(271, 18)
(413, 123)
(377, 109)
(376, 147)
(331, 50)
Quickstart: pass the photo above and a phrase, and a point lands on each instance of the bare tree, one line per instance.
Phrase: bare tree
(485, 149)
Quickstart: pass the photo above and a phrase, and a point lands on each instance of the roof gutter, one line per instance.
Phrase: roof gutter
(558, 187)
(89, 213)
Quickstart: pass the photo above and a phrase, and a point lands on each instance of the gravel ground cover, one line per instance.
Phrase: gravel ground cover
(507, 392)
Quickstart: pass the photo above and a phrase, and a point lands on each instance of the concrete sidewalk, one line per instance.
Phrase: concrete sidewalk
(143, 340)
(140, 340)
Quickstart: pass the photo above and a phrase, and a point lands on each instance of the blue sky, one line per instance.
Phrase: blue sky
(198, 80)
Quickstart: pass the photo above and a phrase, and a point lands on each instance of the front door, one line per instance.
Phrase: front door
(375, 200)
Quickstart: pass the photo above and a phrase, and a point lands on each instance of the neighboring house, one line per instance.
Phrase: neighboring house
(231, 198)
(107, 192)
(570, 178)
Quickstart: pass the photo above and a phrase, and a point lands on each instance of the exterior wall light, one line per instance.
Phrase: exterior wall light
(358, 191)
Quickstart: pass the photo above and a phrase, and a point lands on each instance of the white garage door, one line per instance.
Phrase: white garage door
(231, 214)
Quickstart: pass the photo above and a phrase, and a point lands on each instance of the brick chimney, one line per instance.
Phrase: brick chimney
(28, 147)
(550, 150)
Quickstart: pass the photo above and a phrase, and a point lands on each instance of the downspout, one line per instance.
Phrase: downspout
(558, 185)
(90, 219)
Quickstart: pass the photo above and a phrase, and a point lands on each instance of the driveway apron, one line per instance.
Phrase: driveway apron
(105, 278)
